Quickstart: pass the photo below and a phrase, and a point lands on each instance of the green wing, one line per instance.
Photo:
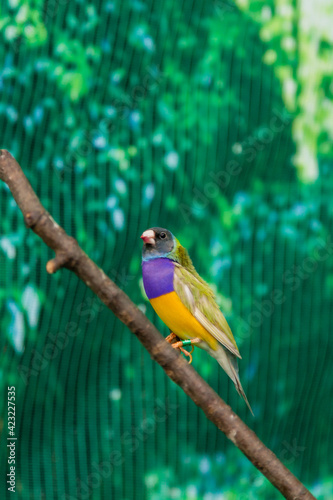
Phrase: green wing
(199, 299)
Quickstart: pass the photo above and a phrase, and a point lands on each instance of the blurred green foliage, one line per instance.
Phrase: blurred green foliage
(299, 46)
(212, 119)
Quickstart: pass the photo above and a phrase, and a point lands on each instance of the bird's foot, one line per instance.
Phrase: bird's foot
(173, 340)
(170, 338)
(180, 346)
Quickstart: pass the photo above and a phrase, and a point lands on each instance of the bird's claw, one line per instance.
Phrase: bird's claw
(170, 338)
(184, 351)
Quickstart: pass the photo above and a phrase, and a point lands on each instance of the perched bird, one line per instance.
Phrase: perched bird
(186, 303)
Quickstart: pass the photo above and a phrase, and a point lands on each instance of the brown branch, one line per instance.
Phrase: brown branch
(68, 254)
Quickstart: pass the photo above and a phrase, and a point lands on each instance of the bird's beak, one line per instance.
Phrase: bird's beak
(148, 237)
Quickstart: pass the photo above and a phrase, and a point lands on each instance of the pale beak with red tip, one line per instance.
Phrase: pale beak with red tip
(148, 237)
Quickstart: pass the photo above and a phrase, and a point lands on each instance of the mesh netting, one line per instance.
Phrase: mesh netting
(127, 115)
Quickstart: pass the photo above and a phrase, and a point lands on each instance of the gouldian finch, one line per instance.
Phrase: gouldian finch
(186, 303)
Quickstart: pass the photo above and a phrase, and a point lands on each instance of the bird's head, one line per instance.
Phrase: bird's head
(157, 243)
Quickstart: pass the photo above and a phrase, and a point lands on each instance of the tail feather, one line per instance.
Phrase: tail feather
(241, 392)
(229, 364)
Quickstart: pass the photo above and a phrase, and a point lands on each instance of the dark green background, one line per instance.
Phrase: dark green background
(125, 115)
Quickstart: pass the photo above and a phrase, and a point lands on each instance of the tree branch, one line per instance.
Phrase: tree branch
(68, 254)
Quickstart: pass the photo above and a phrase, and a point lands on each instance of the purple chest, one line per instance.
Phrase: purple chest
(157, 277)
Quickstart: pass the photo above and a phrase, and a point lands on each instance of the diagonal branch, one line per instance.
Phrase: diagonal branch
(68, 254)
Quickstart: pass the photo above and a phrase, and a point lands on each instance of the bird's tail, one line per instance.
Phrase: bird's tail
(229, 364)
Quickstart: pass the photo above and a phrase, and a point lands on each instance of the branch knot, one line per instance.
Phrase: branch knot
(32, 218)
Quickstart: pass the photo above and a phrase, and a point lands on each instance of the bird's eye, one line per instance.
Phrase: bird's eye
(162, 235)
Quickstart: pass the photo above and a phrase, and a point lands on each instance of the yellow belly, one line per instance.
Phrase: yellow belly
(178, 318)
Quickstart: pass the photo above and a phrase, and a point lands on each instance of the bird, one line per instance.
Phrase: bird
(186, 303)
